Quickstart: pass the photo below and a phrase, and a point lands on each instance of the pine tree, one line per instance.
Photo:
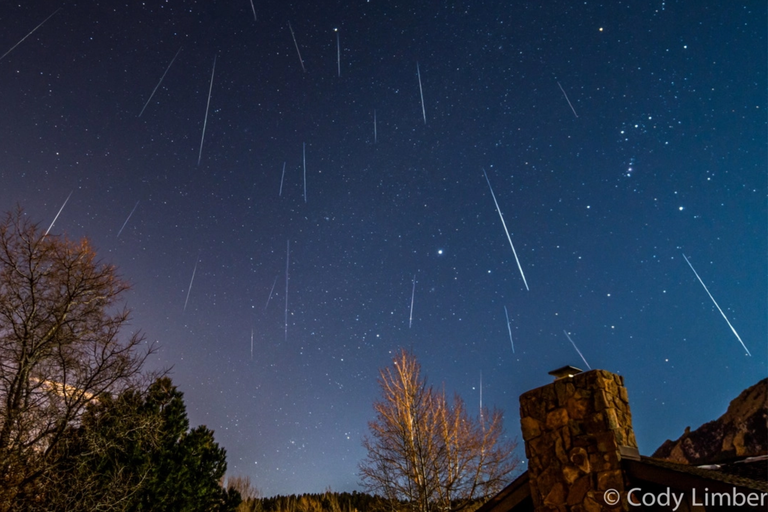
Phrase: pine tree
(187, 466)
(137, 453)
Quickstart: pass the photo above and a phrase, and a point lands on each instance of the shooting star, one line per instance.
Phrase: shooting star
(509, 329)
(717, 306)
(375, 132)
(566, 99)
(251, 344)
(338, 52)
(190, 283)
(297, 47)
(270, 293)
(57, 215)
(506, 230)
(304, 162)
(30, 33)
(126, 220)
(481, 393)
(207, 106)
(413, 294)
(161, 81)
(287, 262)
(577, 350)
(253, 8)
(282, 178)
(421, 93)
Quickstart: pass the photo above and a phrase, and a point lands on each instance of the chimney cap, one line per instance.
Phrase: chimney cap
(565, 371)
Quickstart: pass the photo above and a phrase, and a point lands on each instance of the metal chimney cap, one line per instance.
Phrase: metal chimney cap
(565, 371)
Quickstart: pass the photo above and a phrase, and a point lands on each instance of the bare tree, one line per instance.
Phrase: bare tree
(476, 460)
(60, 347)
(402, 447)
(430, 453)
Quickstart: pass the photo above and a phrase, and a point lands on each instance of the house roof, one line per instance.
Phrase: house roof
(516, 496)
(663, 472)
(749, 475)
(754, 468)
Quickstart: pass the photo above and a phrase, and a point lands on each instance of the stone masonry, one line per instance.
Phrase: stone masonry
(573, 429)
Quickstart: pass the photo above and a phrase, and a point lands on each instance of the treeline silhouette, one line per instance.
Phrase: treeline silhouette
(325, 502)
(330, 501)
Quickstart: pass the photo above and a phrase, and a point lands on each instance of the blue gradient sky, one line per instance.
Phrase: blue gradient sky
(663, 154)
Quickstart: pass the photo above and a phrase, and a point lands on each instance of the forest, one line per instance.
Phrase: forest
(329, 501)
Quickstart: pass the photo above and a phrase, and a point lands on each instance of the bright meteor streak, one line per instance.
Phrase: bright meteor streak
(505, 229)
(57, 215)
(717, 306)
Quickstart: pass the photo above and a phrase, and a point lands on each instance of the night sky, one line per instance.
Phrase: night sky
(617, 136)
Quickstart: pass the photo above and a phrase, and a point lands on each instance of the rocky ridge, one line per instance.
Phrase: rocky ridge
(741, 432)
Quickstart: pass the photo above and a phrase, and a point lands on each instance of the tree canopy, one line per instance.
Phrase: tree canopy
(138, 451)
(428, 451)
(82, 425)
(60, 346)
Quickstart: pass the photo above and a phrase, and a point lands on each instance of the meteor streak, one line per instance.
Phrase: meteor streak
(506, 230)
(577, 350)
(413, 294)
(717, 306)
(509, 329)
(270, 293)
(338, 52)
(421, 93)
(126, 220)
(566, 99)
(190, 283)
(30, 33)
(161, 81)
(57, 215)
(297, 47)
(207, 106)
(304, 161)
(287, 262)
(481, 394)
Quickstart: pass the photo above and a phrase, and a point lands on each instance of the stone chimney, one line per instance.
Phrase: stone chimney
(576, 431)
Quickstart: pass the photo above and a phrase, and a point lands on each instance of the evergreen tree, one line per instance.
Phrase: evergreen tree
(186, 467)
(137, 453)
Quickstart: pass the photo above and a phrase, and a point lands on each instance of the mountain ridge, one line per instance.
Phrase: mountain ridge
(742, 431)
